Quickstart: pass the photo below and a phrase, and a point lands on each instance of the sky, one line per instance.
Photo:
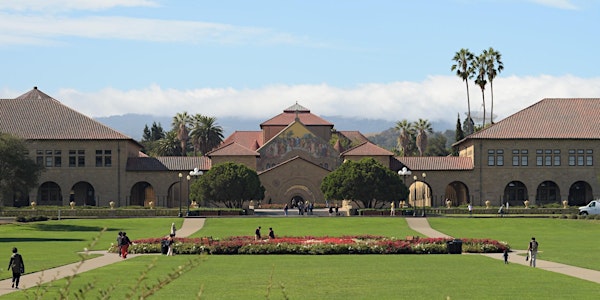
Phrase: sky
(373, 59)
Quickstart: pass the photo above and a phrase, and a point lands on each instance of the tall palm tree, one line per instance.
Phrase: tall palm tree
(494, 67)
(180, 124)
(196, 132)
(480, 79)
(406, 131)
(206, 134)
(167, 146)
(464, 69)
(422, 127)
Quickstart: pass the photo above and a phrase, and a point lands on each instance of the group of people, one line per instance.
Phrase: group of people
(123, 243)
(532, 251)
(257, 234)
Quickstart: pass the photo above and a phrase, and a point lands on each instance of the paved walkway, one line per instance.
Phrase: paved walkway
(421, 225)
(190, 225)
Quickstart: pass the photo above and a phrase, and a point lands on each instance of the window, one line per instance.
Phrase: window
(103, 158)
(556, 153)
(495, 157)
(539, 159)
(547, 157)
(48, 158)
(581, 157)
(491, 157)
(76, 158)
(524, 157)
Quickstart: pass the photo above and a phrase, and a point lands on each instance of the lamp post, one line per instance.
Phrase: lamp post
(180, 176)
(415, 196)
(195, 172)
(403, 172)
(424, 192)
(188, 195)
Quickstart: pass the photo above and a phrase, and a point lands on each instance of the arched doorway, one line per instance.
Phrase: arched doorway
(547, 192)
(515, 193)
(419, 194)
(580, 193)
(173, 196)
(141, 194)
(457, 192)
(82, 193)
(295, 200)
(49, 194)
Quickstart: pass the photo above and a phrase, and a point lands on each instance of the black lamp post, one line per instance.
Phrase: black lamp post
(415, 196)
(180, 213)
(424, 193)
(403, 172)
(188, 195)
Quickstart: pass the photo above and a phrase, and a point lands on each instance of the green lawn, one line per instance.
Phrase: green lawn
(572, 242)
(340, 277)
(54, 243)
(392, 227)
(62, 240)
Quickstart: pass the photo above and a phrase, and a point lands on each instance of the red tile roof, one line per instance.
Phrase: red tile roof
(551, 118)
(37, 116)
(436, 163)
(168, 163)
(232, 149)
(289, 115)
(248, 139)
(354, 136)
(367, 149)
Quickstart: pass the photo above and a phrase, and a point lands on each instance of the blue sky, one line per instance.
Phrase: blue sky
(251, 59)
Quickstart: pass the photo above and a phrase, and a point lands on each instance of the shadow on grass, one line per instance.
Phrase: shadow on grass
(64, 227)
(13, 240)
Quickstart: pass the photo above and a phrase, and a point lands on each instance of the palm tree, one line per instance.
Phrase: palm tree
(180, 124)
(206, 134)
(167, 146)
(406, 131)
(464, 69)
(494, 67)
(422, 127)
(481, 70)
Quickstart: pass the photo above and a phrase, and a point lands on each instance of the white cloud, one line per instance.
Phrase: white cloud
(436, 98)
(562, 4)
(48, 29)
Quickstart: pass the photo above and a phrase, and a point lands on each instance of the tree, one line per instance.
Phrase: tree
(458, 135)
(480, 79)
(464, 69)
(436, 145)
(205, 134)
(167, 146)
(422, 127)
(494, 67)
(18, 172)
(406, 130)
(229, 183)
(152, 137)
(180, 125)
(366, 182)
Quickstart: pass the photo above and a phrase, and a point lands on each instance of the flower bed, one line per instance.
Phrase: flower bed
(365, 244)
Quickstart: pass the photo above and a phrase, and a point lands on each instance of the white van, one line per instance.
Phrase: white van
(593, 208)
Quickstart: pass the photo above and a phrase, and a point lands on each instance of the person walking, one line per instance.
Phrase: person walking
(505, 254)
(470, 209)
(17, 266)
(532, 249)
(285, 209)
(119, 238)
(170, 242)
(271, 233)
(125, 242)
(173, 229)
(392, 209)
(257, 233)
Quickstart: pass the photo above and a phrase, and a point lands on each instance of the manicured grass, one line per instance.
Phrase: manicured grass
(572, 242)
(54, 243)
(340, 277)
(322, 277)
(391, 227)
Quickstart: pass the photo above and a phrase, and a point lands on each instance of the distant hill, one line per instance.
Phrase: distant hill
(133, 124)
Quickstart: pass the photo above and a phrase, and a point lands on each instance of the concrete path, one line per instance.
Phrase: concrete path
(190, 225)
(421, 225)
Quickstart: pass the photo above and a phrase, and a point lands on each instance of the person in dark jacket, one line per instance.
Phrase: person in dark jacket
(17, 266)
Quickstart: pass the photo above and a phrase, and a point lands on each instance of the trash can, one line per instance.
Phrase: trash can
(164, 246)
(454, 246)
